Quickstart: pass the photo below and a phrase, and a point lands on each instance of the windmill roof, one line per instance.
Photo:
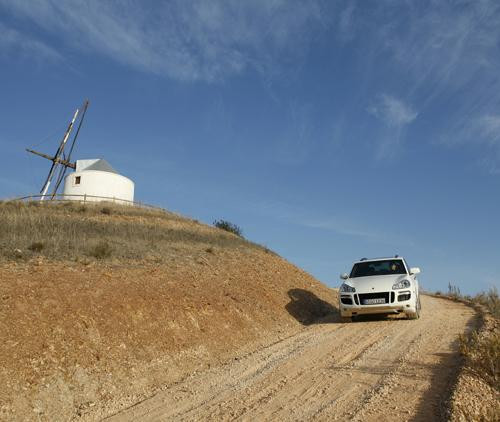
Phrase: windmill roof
(96, 164)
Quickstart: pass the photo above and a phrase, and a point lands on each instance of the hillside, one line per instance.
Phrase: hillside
(101, 305)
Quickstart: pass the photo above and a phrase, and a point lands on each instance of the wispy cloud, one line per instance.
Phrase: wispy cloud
(490, 164)
(346, 22)
(483, 133)
(489, 129)
(444, 56)
(395, 115)
(392, 111)
(195, 40)
(441, 44)
(14, 42)
(349, 227)
(341, 223)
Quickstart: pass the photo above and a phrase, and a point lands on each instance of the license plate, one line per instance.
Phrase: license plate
(374, 301)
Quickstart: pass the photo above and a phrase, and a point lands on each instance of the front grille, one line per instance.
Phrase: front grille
(367, 296)
(346, 300)
(392, 297)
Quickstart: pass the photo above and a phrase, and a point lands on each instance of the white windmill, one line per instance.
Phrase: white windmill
(93, 180)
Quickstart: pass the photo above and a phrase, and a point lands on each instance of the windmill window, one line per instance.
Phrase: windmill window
(77, 180)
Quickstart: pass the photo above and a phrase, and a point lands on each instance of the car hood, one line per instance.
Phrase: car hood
(376, 283)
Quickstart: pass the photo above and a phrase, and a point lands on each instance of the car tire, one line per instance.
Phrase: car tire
(414, 315)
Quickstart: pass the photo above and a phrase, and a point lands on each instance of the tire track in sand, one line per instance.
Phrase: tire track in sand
(377, 369)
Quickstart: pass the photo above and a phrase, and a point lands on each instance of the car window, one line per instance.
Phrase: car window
(371, 268)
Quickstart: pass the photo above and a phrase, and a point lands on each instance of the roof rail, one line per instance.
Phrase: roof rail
(363, 259)
(396, 256)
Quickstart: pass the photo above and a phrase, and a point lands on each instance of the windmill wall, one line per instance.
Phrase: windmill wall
(96, 180)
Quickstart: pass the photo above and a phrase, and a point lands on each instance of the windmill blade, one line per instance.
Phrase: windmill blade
(46, 184)
(56, 157)
(60, 178)
(85, 107)
(62, 171)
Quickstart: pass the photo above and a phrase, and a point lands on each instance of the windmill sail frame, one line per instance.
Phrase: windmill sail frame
(59, 160)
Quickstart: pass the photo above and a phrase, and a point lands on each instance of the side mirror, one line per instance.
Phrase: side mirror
(414, 270)
(344, 276)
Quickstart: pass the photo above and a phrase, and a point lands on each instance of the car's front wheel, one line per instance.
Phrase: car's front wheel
(416, 314)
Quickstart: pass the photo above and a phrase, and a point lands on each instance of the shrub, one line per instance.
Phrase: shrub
(454, 291)
(490, 300)
(36, 246)
(209, 250)
(101, 250)
(106, 210)
(229, 227)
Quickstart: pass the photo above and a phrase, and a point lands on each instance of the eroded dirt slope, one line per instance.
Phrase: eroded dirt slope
(91, 339)
(373, 370)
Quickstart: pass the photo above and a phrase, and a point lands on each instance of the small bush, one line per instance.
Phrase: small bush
(209, 250)
(101, 250)
(438, 293)
(454, 291)
(490, 300)
(106, 210)
(229, 227)
(36, 246)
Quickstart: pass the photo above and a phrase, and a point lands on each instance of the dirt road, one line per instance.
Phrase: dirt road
(375, 369)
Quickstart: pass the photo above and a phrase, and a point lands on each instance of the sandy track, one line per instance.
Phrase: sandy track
(374, 369)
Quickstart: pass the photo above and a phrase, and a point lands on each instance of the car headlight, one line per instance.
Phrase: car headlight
(403, 284)
(345, 288)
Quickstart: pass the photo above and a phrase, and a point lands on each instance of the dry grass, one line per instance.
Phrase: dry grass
(478, 386)
(490, 300)
(483, 356)
(481, 348)
(73, 231)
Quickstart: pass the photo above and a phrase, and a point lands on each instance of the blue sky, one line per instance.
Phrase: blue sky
(327, 131)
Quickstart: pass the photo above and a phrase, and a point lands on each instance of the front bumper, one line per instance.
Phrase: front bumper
(363, 303)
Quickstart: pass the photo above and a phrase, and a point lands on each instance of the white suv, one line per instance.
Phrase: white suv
(380, 286)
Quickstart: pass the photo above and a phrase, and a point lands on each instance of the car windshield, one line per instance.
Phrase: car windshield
(369, 268)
